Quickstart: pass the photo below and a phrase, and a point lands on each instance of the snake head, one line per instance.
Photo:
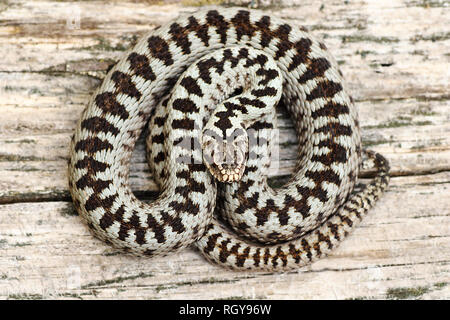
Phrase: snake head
(225, 157)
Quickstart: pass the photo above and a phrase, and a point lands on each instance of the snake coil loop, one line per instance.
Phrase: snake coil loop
(207, 84)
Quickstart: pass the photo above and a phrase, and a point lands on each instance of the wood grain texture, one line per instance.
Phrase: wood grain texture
(395, 56)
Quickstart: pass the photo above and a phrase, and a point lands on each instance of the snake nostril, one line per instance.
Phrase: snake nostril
(265, 58)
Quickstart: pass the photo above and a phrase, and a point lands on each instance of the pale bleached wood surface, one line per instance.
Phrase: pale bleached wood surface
(395, 56)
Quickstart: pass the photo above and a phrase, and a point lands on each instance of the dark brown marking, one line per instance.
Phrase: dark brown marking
(99, 124)
(257, 257)
(337, 153)
(191, 85)
(160, 121)
(160, 157)
(252, 102)
(306, 248)
(92, 145)
(158, 139)
(186, 206)
(95, 202)
(180, 36)
(97, 185)
(324, 89)
(316, 245)
(213, 18)
(141, 66)
(187, 124)
(240, 257)
(324, 238)
(334, 228)
(91, 165)
(242, 24)
(108, 218)
(269, 74)
(185, 105)
(331, 109)
(211, 243)
(157, 229)
(140, 236)
(267, 91)
(266, 256)
(279, 255)
(303, 47)
(107, 102)
(284, 44)
(173, 222)
(125, 85)
(315, 69)
(224, 252)
(336, 129)
(321, 176)
(204, 66)
(160, 50)
(264, 24)
(149, 252)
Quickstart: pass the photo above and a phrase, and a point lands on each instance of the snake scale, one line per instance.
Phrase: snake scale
(207, 85)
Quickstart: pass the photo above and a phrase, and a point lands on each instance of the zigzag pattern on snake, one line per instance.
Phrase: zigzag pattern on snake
(208, 82)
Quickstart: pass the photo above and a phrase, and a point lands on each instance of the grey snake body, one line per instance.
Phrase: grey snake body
(206, 83)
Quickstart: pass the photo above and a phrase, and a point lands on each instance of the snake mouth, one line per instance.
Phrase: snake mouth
(225, 159)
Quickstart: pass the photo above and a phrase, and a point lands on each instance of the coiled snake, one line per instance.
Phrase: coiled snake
(208, 84)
